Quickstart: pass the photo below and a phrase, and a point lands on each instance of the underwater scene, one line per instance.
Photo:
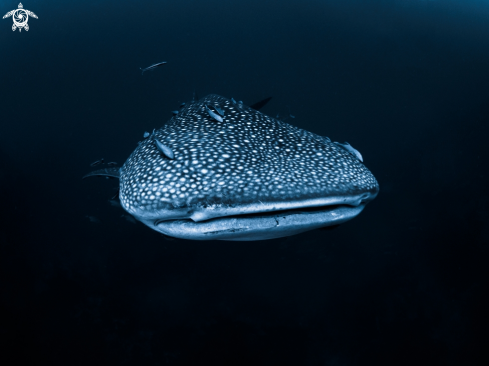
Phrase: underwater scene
(246, 182)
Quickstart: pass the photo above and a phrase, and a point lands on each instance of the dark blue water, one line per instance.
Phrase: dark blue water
(406, 82)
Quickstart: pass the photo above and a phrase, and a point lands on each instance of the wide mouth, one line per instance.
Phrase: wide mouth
(303, 210)
(198, 213)
(257, 225)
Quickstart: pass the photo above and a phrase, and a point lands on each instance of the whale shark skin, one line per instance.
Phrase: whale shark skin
(244, 176)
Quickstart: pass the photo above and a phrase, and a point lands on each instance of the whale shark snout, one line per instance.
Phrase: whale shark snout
(237, 174)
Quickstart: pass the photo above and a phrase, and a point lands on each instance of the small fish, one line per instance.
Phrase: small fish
(182, 105)
(112, 163)
(152, 67)
(115, 203)
(98, 162)
(116, 195)
(164, 149)
(93, 219)
(175, 113)
(105, 172)
(219, 110)
(146, 134)
(232, 100)
(129, 218)
(213, 115)
(350, 149)
(291, 116)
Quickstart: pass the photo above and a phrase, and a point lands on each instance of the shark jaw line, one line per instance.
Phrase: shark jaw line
(256, 221)
(217, 211)
(268, 225)
(200, 213)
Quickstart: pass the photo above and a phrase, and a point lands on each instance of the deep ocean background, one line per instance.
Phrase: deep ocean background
(406, 82)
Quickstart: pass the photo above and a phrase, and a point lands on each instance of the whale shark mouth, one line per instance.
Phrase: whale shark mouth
(257, 226)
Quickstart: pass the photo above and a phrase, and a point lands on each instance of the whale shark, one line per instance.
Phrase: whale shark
(220, 170)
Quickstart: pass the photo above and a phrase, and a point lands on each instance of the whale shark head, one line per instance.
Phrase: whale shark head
(222, 170)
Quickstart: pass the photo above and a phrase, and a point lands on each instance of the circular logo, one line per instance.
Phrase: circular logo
(20, 18)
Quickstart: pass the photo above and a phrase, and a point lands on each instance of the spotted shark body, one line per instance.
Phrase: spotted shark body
(245, 176)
